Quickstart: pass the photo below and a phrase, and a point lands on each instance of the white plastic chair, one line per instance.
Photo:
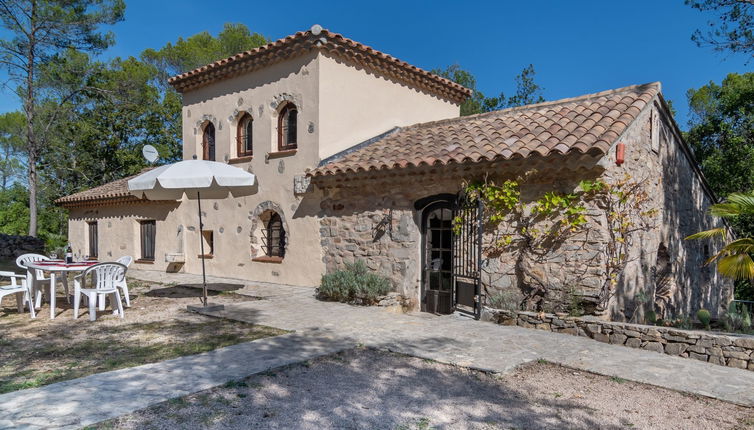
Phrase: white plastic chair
(126, 261)
(20, 289)
(105, 278)
(36, 279)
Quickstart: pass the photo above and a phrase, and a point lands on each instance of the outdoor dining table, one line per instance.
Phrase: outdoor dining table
(59, 267)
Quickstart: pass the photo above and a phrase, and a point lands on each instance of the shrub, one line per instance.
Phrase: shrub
(354, 284)
(650, 317)
(704, 317)
(507, 299)
(737, 318)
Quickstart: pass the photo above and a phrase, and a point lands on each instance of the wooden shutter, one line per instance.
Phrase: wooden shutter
(274, 237)
(93, 240)
(208, 142)
(148, 233)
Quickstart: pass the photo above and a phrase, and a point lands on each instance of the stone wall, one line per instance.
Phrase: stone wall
(371, 216)
(722, 349)
(13, 246)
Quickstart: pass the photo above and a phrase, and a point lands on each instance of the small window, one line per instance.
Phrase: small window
(93, 240)
(208, 239)
(208, 142)
(274, 237)
(148, 233)
(287, 126)
(244, 136)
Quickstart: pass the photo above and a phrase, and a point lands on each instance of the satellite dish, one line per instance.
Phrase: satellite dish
(150, 153)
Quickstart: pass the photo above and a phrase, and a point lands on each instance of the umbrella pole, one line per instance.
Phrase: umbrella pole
(201, 247)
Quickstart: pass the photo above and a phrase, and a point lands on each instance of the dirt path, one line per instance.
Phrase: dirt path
(367, 389)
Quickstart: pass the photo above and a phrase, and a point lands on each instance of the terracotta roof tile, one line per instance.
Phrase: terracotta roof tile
(324, 41)
(585, 124)
(112, 191)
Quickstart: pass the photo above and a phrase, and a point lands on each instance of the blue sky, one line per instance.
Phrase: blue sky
(577, 47)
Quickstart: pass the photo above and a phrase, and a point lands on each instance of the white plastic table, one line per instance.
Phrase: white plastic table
(55, 267)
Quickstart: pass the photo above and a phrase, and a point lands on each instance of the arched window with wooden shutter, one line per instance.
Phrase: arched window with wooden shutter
(287, 127)
(244, 136)
(208, 142)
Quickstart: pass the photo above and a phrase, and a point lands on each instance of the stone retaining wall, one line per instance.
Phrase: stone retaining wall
(13, 246)
(723, 349)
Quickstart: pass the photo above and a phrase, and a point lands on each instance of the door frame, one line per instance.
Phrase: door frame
(426, 206)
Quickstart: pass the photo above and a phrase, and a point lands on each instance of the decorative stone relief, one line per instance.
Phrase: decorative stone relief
(311, 127)
(257, 217)
(278, 100)
(301, 184)
(281, 167)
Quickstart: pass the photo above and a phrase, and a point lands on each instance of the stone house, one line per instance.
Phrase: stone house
(360, 156)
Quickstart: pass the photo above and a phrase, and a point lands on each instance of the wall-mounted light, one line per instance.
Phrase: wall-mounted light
(620, 153)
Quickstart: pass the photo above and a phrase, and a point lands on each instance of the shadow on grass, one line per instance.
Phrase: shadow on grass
(195, 290)
(62, 355)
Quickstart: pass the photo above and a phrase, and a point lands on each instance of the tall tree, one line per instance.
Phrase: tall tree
(11, 147)
(527, 91)
(722, 132)
(200, 49)
(38, 30)
(731, 30)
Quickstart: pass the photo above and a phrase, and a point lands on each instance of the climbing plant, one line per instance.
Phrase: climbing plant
(533, 230)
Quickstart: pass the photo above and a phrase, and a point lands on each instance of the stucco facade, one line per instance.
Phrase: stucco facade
(378, 141)
(338, 104)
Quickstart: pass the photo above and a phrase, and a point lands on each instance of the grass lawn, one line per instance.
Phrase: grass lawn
(156, 327)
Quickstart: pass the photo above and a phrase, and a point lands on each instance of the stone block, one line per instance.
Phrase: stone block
(740, 355)
(599, 337)
(593, 328)
(723, 341)
(740, 364)
(744, 342)
(543, 326)
(717, 360)
(570, 330)
(633, 342)
(618, 339)
(700, 357)
(653, 346)
(675, 338)
(632, 333)
(698, 349)
(675, 348)
(714, 351)
(706, 342)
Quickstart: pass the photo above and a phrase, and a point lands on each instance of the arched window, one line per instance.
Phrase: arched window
(244, 135)
(287, 120)
(208, 142)
(274, 237)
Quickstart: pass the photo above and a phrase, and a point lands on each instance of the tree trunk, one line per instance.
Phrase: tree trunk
(31, 143)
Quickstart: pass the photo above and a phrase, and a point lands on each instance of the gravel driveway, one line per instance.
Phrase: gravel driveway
(369, 389)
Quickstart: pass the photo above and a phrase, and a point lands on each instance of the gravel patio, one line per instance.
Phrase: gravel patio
(368, 389)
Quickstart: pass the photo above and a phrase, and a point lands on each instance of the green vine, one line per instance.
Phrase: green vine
(533, 229)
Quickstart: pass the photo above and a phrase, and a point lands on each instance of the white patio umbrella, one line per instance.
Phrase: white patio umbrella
(195, 179)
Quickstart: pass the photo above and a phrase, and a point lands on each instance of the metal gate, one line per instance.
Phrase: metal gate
(467, 255)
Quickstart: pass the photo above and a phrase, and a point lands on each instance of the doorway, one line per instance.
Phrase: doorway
(437, 258)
